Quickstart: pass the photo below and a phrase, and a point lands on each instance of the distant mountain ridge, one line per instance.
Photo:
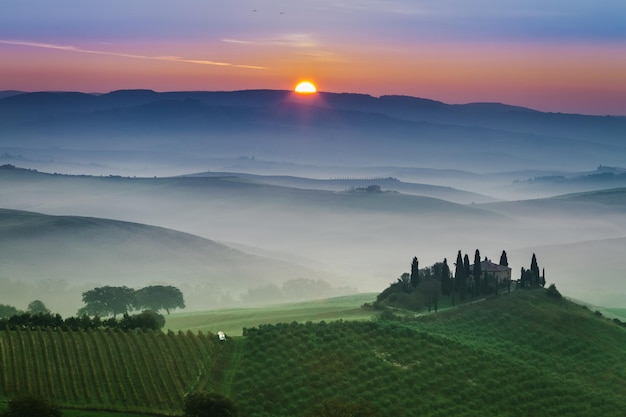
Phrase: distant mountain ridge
(329, 127)
(335, 128)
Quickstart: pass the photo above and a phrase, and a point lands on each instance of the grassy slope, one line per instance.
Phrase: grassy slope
(232, 321)
(521, 354)
(518, 354)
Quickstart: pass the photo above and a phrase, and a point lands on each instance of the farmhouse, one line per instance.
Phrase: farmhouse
(500, 272)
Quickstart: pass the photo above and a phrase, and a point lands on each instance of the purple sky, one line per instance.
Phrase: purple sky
(555, 56)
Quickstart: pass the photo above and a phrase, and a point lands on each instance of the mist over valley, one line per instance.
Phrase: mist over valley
(341, 190)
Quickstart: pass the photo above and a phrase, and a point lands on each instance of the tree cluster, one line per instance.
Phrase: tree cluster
(111, 301)
(146, 320)
(530, 278)
(422, 287)
(417, 289)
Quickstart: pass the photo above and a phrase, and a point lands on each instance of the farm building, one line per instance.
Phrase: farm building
(500, 272)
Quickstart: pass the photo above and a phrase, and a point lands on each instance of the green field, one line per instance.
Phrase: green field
(232, 321)
(521, 354)
(144, 372)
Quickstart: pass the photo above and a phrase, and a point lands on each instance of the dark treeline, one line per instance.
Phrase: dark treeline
(146, 320)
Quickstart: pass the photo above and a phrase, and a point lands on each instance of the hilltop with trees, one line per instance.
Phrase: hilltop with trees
(428, 287)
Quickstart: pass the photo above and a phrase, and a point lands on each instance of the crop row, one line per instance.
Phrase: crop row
(100, 369)
(408, 369)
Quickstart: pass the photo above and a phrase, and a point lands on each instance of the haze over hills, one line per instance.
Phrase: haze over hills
(139, 127)
(350, 185)
(362, 239)
(58, 257)
(360, 184)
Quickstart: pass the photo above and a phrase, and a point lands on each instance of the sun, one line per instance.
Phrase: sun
(305, 87)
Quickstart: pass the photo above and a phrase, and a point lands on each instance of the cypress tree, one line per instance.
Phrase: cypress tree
(503, 259)
(459, 271)
(469, 280)
(477, 271)
(415, 275)
(446, 283)
(459, 276)
(535, 270)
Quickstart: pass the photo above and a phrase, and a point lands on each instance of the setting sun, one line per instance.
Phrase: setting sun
(305, 87)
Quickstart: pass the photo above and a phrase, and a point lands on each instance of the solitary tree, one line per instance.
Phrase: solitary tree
(104, 301)
(37, 307)
(160, 297)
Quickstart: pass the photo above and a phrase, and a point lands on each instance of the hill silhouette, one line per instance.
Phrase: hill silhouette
(388, 129)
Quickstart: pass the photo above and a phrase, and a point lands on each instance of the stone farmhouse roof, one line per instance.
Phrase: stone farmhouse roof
(489, 266)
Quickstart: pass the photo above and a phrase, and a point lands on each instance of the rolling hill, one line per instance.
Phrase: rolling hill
(386, 184)
(519, 354)
(362, 240)
(337, 231)
(55, 258)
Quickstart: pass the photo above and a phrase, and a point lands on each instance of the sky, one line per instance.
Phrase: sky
(555, 55)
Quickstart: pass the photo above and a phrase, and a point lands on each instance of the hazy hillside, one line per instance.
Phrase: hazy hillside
(368, 237)
(327, 128)
(587, 270)
(55, 258)
(386, 184)
(364, 240)
(550, 184)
